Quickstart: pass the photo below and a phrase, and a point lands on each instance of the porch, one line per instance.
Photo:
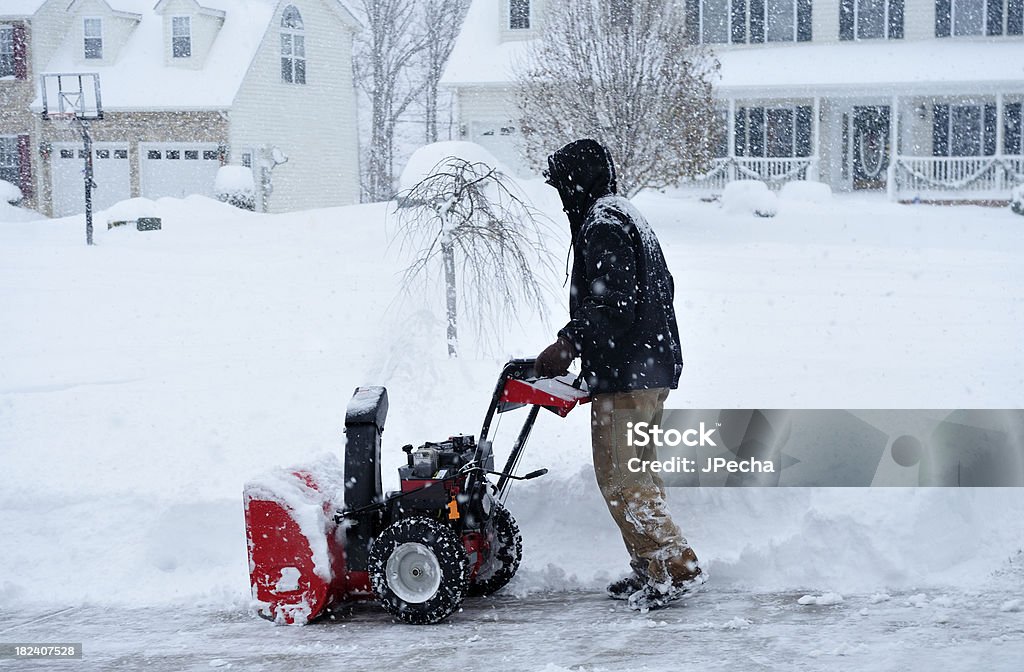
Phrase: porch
(965, 148)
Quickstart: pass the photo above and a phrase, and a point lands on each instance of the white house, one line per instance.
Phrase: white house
(187, 86)
(920, 97)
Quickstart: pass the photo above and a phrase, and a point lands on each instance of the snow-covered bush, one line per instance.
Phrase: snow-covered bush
(749, 197)
(1017, 199)
(234, 186)
(9, 193)
(806, 191)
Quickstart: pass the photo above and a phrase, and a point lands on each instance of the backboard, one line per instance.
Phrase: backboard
(71, 94)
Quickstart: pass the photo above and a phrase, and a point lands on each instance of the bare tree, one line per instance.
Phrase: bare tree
(489, 242)
(388, 53)
(625, 74)
(442, 19)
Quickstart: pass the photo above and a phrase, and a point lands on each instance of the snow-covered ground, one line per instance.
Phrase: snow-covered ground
(143, 380)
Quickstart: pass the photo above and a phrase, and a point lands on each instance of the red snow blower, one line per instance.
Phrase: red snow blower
(318, 537)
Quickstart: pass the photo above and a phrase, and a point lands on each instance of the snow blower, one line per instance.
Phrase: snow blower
(319, 538)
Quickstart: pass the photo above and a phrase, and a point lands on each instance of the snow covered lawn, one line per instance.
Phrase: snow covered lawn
(142, 381)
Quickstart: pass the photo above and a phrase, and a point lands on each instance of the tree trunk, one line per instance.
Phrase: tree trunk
(448, 256)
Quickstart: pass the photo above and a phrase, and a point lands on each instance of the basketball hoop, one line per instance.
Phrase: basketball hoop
(74, 98)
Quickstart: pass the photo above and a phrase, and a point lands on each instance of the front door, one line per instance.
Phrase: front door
(870, 155)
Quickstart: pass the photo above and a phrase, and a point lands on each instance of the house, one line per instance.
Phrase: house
(186, 86)
(919, 98)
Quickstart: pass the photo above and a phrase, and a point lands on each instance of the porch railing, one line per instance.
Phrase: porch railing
(775, 171)
(954, 177)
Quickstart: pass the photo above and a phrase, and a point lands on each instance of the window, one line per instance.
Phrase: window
(6, 51)
(870, 19)
(191, 154)
(519, 14)
(293, 47)
(10, 160)
(968, 18)
(721, 139)
(780, 20)
(181, 36)
(92, 30)
(774, 131)
(1013, 129)
(979, 17)
(964, 130)
(753, 21)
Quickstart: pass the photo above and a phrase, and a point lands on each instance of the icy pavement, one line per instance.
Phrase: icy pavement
(551, 632)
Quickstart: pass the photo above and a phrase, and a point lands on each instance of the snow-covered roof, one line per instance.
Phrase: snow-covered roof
(141, 79)
(20, 7)
(479, 56)
(900, 66)
(889, 67)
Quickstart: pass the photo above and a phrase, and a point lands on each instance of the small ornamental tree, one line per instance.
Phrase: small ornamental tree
(468, 218)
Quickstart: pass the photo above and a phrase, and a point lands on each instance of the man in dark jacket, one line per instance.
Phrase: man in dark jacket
(623, 327)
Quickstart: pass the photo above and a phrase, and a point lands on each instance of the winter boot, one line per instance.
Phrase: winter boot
(632, 582)
(684, 576)
(626, 586)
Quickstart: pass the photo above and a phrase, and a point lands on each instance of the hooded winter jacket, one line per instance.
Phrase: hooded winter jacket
(623, 324)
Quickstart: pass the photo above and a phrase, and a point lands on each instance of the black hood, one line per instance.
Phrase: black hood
(582, 172)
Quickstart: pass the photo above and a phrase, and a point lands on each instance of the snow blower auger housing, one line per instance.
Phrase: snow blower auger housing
(320, 537)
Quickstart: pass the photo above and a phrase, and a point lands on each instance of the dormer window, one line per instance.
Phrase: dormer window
(293, 46)
(92, 32)
(519, 14)
(181, 36)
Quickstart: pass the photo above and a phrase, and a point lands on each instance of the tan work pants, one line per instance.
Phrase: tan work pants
(636, 500)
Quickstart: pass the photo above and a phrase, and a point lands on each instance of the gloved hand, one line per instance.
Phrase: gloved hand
(554, 360)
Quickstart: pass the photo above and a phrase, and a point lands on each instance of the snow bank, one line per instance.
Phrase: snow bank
(12, 213)
(9, 193)
(806, 191)
(425, 160)
(131, 210)
(749, 197)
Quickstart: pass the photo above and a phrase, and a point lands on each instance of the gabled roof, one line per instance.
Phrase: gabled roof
(141, 80)
(479, 56)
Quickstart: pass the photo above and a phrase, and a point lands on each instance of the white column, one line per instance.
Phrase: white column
(894, 144)
(1000, 173)
(731, 124)
(816, 152)
(731, 149)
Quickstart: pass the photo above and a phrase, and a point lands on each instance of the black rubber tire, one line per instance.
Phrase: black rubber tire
(452, 563)
(505, 554)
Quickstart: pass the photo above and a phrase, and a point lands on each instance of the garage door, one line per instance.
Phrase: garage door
(177, 170)
(110, 174)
